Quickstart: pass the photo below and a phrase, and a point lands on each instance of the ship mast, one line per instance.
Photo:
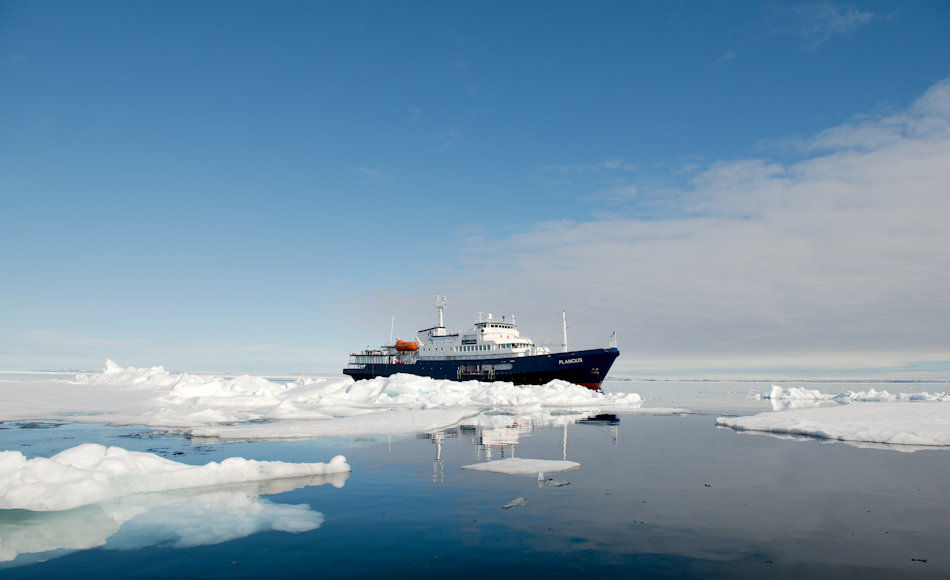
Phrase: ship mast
(440, 304)
(564, 321)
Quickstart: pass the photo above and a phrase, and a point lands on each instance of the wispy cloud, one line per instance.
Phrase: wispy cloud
(458, 62)
(450, 136)
(816, 23)
(599, 176)
(371, 175)
(609, 164)
(728, 57)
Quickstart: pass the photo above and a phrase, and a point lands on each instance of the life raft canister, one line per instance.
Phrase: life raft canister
(405, 345)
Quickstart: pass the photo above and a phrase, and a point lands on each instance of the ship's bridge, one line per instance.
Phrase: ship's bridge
(489, 338)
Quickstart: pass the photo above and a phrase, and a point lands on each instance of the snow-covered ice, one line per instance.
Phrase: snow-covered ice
(901, 423)
(178, 519)
(254, 407)
(787, 398)
(802, 394)
(517, 466)
(92, 473)
(783, 398)
(390, 422)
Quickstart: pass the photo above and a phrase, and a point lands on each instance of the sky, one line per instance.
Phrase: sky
(738, 189)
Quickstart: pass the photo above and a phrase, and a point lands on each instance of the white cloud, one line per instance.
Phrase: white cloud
(727, 57)
(818, 22)
(841, 255)
(609, 164)
(371, 175)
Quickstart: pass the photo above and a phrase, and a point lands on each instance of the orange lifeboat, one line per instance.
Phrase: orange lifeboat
(406, 346)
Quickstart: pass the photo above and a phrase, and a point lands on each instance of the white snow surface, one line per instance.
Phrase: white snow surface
(921, 424)
(517, 466)
(784, 398)
(92, 473)
(801, 393)
(177, 519)
(249, 406)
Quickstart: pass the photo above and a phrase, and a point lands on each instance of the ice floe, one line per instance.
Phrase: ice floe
(390, 422)
(518, 501)
(255, 407)
(92, 473)
(173, 519)
(518, 466)
(784, 398)
(918, 424)
(803, 394)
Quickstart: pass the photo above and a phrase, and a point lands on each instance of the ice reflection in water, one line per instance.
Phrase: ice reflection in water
(495, 436)
(178, 519)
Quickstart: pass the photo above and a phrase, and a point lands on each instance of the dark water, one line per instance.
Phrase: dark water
(655, 496)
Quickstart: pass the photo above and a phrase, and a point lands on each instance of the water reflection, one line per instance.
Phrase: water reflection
(176, 519)
(787, 404)
(495, 435)
(903, 448)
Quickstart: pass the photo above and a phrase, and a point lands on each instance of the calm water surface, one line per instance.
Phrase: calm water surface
(655, 496)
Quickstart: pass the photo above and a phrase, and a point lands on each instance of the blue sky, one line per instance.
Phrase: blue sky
(736, 187)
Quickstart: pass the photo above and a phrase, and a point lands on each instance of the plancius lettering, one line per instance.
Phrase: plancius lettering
(570, 361)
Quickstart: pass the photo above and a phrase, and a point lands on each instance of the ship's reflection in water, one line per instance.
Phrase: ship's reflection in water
(496, 436)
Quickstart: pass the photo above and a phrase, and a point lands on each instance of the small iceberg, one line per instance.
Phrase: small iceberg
(514, 503)
(516, 466)
(92, 473)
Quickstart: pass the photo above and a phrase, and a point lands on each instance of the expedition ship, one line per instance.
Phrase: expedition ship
(493, 350)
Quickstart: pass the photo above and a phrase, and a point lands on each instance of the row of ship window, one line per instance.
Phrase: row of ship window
(477, 347)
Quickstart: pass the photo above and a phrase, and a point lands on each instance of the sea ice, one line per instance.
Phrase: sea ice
(907, 423)
(797, 393)
(249, 407)
(783, 398)
(92, 473)
(803, 394)
(517, 466)
(514, 503)
(390, 422)
(178, 518)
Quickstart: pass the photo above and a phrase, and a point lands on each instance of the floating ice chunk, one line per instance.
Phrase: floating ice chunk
(886, 397)
(383, 422)
(113, 374)
(179, 518)
(514, 503)
(556, 482)
(920, 424)
(92, 473)
(797, 393)
(795, 398)
(517, 466)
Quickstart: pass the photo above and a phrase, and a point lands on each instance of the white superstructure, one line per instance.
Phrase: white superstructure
(490, 338)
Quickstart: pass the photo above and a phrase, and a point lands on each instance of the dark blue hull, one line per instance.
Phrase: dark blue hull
(581, 367)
